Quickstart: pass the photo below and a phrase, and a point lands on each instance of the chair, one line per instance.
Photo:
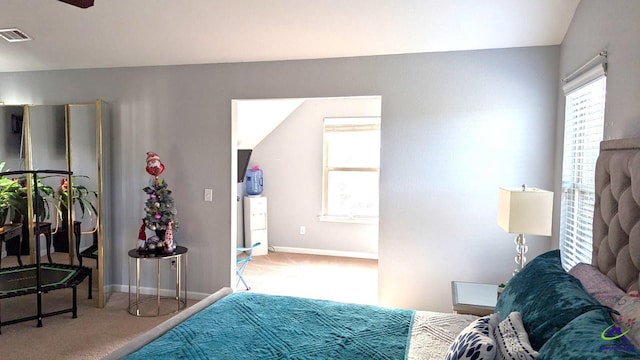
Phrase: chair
(242, 262)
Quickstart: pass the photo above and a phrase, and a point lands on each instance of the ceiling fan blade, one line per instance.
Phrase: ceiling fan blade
(79, 3)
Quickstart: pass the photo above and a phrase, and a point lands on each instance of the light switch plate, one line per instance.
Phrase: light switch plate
(208, 194)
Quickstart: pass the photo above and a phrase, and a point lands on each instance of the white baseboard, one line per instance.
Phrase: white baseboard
(199, 296)
(352, 254)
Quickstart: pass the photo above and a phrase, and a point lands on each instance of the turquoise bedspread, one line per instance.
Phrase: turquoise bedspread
(258, 326)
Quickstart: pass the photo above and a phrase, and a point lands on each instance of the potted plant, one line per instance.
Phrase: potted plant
(8, 197)
(501, 288)
(78, 195)
(13, 198)
(14, 203)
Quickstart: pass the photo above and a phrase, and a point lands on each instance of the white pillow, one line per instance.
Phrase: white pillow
(475, 341)
(512, 340)
(628, 308)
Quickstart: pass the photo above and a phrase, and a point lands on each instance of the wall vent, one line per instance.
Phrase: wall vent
(14, 35)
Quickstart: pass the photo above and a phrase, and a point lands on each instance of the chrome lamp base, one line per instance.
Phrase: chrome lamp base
(521, 250)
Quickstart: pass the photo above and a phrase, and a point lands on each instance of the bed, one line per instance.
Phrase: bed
(544, 312)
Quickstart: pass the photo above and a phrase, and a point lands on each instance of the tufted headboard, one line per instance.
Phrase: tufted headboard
(616, 217)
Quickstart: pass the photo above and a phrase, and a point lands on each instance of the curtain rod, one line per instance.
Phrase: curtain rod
(602, 53)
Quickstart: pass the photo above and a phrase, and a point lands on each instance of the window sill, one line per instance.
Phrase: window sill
(348, 219)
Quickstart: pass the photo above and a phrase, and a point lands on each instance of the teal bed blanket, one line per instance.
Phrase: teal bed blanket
(259, 326)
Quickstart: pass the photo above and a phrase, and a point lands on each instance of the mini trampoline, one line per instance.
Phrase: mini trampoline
(41, 278)
(21, 280)
(91, 252)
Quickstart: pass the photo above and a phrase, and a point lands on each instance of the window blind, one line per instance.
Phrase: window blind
(584, 123)
(351, 167)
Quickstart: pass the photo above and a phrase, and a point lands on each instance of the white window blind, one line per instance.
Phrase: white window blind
(351, 168)
(584, 123)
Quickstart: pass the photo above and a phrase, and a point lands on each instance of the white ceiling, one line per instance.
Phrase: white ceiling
(116, 33)
(258, 118)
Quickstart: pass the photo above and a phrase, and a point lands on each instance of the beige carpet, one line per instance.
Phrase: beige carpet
(97, 332)
(318, 277)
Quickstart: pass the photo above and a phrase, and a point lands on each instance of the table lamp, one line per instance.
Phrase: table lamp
(525, 211)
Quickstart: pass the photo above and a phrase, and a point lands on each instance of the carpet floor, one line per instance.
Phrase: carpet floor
(96, 332)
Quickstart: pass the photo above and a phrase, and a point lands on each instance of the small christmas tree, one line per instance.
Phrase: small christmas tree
(159, 207)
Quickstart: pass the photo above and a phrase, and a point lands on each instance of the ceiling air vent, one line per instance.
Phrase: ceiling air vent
(14, 35)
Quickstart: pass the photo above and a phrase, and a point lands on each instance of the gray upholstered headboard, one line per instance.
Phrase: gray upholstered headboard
(616, 218)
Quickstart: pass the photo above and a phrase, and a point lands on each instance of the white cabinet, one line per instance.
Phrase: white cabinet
(255, 223)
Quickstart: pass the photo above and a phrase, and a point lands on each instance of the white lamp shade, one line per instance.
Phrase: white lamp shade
(527, 211)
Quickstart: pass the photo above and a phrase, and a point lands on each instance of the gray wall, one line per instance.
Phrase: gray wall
(291, 158)
(613, 26)
(455, 126)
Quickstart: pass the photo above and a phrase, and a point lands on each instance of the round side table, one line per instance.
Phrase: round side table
(180, 299)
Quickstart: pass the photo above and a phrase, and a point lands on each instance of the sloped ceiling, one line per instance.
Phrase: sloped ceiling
(116, 33)
(256, 119)
(121, 33)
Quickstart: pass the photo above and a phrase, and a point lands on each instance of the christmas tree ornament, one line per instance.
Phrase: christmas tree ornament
(154, 166)
(153, 242)
(142, 237)
(169, 244)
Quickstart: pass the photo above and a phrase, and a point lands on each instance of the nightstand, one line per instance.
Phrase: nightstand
(473, 298)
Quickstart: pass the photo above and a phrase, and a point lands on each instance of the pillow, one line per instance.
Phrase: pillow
(475, 341)
(546, 296)
(597, 284)
(511, 339)
(589, 336)
(628, 308)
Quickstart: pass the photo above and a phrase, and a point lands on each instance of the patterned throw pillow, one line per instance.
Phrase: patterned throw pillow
(512, 340)
(475, 341)
(629, 308)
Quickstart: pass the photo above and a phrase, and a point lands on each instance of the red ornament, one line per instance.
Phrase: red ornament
(64, 184)
(142, 237)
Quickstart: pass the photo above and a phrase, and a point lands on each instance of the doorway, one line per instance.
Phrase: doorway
(286, 139)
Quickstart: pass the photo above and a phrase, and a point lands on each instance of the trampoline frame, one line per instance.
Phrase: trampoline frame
(78, 273)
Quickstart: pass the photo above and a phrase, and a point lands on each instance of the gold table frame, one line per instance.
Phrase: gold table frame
(180, 297)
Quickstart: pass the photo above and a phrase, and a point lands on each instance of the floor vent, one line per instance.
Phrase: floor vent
(14, 35)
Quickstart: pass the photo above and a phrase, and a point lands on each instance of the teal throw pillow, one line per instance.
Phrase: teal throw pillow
(546, 296)
(592, 336)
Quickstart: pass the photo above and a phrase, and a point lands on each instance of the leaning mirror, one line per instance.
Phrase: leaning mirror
(12, 157)
(47, 150)
(85, 135)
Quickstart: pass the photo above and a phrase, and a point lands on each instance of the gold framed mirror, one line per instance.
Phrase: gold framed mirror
(65, 137)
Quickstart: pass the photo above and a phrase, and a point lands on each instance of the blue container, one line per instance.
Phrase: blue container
(254, 181)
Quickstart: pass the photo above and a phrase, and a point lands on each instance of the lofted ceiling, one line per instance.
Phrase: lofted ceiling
(117, 33)
(258, 118)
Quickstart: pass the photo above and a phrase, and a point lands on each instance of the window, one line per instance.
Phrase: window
(351, 168)
(584, 122)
